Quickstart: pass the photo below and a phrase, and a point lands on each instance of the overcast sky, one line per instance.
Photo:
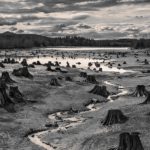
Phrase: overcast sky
(100, 19)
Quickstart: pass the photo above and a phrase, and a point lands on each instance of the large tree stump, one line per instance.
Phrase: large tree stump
(140, 91)
(5, 76)
(49, 68)
(22, 72)
(100, 90)
(5, 101)
(16, 94)
(91, 79)
(114, 116)
(24, 63)
(2, 65)
(147, 101)
(54, 82)
(130, 141)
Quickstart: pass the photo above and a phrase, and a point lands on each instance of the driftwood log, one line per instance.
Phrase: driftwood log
(114, 116)
(91, 79)
(22, 72)
(129, 141)
(5, 101)
(54, 82)
(6, 78)
(16, 94)
(140, 91)
(100, 90)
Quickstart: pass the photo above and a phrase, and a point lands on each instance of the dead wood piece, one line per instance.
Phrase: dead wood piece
(24, 62)
(100, 90)
(130, 141)
(91, 79)
(16, 94)
(5, 101)
(54, 82)
(83, 74)
(114, 116)
(140, 91)
(6, 78)
(22, 72)
(2, 65)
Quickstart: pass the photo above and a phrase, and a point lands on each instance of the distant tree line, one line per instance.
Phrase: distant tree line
(10, 40)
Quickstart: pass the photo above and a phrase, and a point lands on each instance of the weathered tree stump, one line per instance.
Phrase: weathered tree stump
(57, 63)
(130, 141)
(24, 63)
(146, 62)
(97, 64)
(5, 76)
(147, 101)
(140, 91)
(114, 116)
(31, 66)
(68, 78)
(100, 90)
(38, 63)
(124, 62)
(49, 68)
(22, 72)
(90, 64)
(83, 74)
(54, 82)
(5, 101)
(68, 65)
(73, 66)
(16, 94)
(2, 65)
(91, 79)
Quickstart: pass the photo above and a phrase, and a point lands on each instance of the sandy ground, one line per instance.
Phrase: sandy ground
(90, 134)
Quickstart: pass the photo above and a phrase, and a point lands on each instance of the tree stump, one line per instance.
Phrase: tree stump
(5, 76)
(147, 101)
(5, 101)
(49, 68)
(100, 90)
(91, 79)
(83, 74)
(22, 72)
(68, 78)
(114, 116)
(38, 63)
(31, 66)
(54, 82)
(73, 66)
(130, 141)
(2, 65)
(140, 91)
(16, 94)
(68, 65)
(24, 63)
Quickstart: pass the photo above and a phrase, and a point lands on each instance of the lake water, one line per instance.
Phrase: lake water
(119, 49)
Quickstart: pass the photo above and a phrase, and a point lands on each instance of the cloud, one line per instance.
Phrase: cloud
(89, 18)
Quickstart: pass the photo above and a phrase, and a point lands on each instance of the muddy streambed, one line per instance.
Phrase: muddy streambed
(60, 122)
